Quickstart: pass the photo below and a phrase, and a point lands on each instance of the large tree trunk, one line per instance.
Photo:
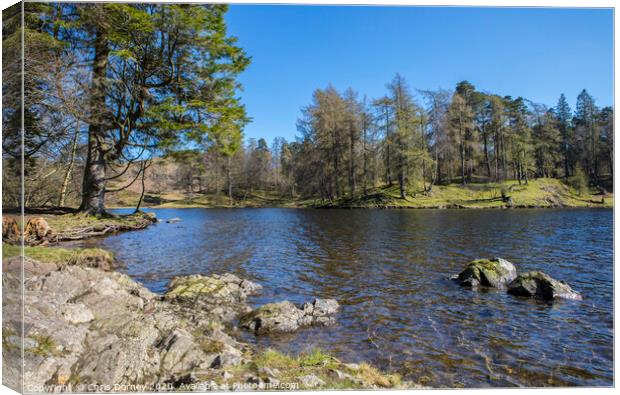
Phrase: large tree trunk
(93, 186)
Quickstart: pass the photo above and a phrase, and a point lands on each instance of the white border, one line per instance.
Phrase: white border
(481, 3)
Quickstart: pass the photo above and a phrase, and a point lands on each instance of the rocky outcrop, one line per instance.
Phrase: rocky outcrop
(286, 317)
(86, 325)
(221, 296)
(87, 329)
(542, 286)
(496, 273)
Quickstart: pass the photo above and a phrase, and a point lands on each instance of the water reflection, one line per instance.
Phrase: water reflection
(389, 270)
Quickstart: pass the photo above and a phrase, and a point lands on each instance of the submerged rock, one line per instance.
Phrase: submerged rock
(542, 286)
(173, 220)
(496, 273)
(286, 317)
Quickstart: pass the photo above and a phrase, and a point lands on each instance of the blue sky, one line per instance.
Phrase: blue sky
(536, 53)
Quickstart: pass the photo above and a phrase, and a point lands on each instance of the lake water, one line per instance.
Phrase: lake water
(389, 270)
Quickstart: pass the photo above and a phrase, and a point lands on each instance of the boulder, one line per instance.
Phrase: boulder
(223, 296)
(84, 325)
(496, 273)
(286, 317)
(542, 286)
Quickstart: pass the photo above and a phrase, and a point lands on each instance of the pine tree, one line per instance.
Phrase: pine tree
(585, 120)
(460, 124)
(563, 114)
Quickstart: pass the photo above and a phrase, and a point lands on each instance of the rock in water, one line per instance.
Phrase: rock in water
(173, 220)
(286, 317)
(496, 273)
(542, 286)
(223, 296)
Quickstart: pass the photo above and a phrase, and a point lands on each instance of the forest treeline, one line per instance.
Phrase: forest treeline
(111, 87)
(348, 144)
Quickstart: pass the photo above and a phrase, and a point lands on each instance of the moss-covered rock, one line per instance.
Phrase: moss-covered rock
(496, 273)
(542, 286)
(224, 296)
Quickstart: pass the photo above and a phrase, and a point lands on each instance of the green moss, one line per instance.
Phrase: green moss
(45, 346)
(212, 346)
(192, 287)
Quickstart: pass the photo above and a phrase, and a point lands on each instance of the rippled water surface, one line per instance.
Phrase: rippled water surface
(389, 271)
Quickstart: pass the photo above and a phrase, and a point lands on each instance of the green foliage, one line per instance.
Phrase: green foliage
(579, 181)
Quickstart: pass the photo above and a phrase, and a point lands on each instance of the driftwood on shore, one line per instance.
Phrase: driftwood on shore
(40, 231)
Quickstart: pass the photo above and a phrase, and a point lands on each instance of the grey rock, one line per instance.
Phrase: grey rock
(269, 371)
(496, 273)
(540, 285)
(311, 381)
(76, 313)
(223, 297)
(286, 317)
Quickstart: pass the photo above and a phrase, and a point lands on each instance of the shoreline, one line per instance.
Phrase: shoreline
(538, 193)
(184, 339)
(447, 207)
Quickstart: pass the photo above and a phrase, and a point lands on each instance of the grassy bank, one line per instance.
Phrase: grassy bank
(59, 256)
(543, 192)
(330, 372)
